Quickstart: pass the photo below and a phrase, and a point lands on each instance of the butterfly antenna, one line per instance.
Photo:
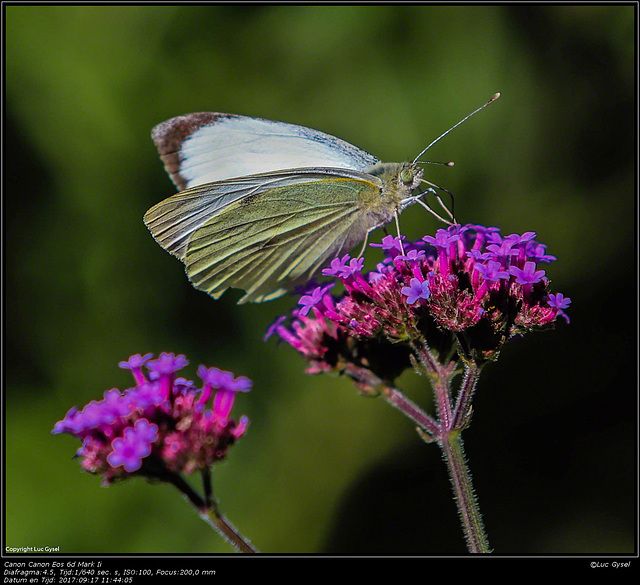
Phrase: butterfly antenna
(430, 162)
(493, 99)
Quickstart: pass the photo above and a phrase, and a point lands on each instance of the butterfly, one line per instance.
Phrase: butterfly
(263, 206)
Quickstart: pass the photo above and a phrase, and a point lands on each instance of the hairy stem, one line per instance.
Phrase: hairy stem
(213, 517)
(397, 399)
(462, 409)
(208, 511)
(452, 448)
(451, 420)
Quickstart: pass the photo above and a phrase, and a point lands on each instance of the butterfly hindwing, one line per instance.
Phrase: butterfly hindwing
(270, 242)
(174, 220)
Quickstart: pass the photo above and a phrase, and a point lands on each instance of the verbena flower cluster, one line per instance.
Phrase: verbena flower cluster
(161, 425)
(466, 290)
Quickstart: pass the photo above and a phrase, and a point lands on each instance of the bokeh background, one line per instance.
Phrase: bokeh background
(552, 447)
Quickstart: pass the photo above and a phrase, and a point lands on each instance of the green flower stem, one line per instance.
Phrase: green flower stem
(441, 383)
(398, 400)
(452, 448)
(462, 409)
(440, 377)
(213, 517)
(452, 419)
(208, 511)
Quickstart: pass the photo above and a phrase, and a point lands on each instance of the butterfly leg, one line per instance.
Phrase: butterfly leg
(432, 212)
(418, 198)
(449, 213)
(364, 245)
(397, 217)
(432, 189)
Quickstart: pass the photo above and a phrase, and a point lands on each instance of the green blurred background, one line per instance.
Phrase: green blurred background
(552, 444)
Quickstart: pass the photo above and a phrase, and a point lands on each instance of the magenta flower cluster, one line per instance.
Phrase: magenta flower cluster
(466, 289)
(159, 426)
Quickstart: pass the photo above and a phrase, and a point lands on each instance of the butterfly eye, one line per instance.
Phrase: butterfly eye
(406, 176)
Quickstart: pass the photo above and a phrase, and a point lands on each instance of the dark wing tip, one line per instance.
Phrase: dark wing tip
(168, 137)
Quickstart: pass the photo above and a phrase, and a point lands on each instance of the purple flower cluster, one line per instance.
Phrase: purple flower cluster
(159, 426)
(466, 289)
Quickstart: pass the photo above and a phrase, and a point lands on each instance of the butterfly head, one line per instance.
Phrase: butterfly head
(410, 176)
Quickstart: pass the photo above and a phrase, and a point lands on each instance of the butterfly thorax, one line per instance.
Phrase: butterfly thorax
(398, 180)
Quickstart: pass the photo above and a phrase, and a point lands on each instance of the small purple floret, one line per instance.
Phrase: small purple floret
(416, 290)
(492, 271)
(527, 275)
(412, 255)
(442, 239)
(337, 266)
(135, 444)
(309, 301)
(390, 243)
(559, 301)
(167, 363)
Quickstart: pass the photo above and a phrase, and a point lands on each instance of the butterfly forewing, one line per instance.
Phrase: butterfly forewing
(208, 147)
(269, 242)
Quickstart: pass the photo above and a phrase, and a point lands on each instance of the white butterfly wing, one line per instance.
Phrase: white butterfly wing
(207, 147)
